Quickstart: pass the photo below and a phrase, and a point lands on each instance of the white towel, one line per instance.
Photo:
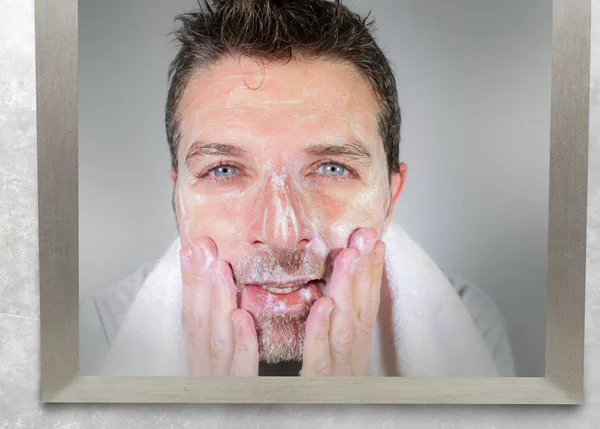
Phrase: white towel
(432, 333)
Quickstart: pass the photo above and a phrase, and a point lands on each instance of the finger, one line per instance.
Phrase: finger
(365, 306)
(186, 258)
(368, 281)
(378, 266)
(365, 322)
(316, 359)
(364, 241)
(245, 355)
(197, 294)
(342, 316)
(223, 305)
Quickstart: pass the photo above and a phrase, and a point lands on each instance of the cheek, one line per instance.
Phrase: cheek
(203, 216)
(341, 218)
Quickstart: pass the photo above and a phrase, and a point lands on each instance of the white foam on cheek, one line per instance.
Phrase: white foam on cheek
(366, 198)
(231, 228)
(359, 214)
(232, 195)
(181, 205)
(342, 229)
(186, 222)
(186, 229)
(184, 203)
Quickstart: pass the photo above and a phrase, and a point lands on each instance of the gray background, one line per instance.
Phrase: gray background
(474, 85)
(19, 306)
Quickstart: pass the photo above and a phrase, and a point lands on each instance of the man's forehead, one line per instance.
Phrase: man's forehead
(318, 83)
(305, 96)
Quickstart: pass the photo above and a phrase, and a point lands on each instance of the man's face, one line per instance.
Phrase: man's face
(278, 165)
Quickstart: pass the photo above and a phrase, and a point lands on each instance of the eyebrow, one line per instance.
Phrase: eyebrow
(201, 148)
(351, 149)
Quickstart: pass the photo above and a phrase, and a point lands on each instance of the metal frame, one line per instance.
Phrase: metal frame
(56, 63)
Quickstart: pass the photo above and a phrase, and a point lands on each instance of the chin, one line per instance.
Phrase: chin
(280, 316)
(281, 337)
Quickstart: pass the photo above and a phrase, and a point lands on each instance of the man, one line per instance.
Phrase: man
(284, 128)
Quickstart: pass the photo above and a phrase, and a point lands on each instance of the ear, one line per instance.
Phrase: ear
(173, 175)
(397, 186)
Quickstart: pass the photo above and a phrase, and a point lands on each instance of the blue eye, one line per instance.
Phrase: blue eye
(332, 169)
(224, 171)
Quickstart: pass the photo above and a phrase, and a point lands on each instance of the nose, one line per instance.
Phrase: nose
(279, 218)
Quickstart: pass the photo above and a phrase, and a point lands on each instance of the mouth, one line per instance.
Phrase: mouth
(292, 298)
(275, 297)
(287, 287)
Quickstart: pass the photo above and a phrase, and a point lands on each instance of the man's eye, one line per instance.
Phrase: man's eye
(332, 169)
(224, 171)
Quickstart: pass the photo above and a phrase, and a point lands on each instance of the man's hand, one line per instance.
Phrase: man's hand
(221, 338)
(339, 329)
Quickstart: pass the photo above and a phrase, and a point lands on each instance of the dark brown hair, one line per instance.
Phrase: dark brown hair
(280, 30)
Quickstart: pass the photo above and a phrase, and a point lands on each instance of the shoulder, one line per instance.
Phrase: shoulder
(101, 315)
(489, 322)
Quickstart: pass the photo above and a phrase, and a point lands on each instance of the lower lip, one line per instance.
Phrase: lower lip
(259, 301)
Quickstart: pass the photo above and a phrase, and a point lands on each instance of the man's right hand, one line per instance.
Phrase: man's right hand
(221, 338)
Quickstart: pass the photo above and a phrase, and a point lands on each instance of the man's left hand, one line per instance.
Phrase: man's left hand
(339, 328)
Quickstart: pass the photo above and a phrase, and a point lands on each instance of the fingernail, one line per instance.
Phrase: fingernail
(366, 246)
(326, 309)
(353, 265)
(198, 251)
(371, 244)
(379, 253)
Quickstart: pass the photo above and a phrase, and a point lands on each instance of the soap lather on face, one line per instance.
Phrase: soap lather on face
(279, 192)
